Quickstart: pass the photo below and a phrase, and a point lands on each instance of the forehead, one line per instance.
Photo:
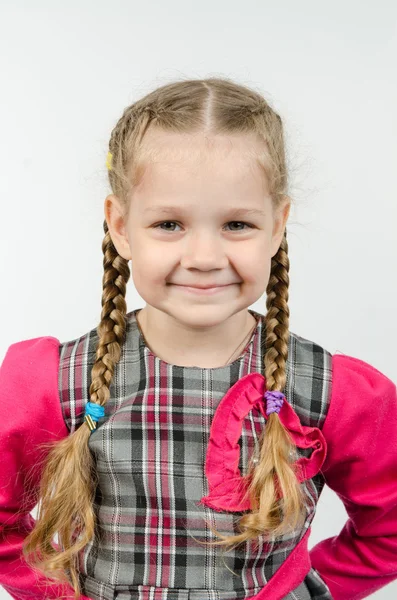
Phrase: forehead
(173, 144)
(199, 163)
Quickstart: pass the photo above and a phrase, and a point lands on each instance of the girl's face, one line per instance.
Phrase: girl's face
(200, 216)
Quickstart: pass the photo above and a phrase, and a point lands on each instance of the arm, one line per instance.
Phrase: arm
(361, 467)
(30, 414)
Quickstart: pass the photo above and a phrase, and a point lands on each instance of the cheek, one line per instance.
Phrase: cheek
(255, 268)
(254, 259)
(149, 265)
(145, 255)
(257, 275)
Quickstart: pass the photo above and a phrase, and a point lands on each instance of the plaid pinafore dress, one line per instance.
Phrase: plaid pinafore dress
(150, 453)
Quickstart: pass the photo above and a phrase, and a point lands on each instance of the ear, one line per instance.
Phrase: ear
(115, 220)
(280, 221)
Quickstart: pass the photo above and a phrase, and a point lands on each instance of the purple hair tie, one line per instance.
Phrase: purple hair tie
(275, 400)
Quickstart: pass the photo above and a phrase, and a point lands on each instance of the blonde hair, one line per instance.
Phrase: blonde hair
(68, 482)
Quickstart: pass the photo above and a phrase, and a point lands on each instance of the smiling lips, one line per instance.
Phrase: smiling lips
(204, 290)
(205, 287)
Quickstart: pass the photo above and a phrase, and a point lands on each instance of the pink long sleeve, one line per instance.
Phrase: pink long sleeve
(30, 414)
(361, 467)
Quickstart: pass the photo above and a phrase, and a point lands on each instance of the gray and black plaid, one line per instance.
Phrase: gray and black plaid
(150, 450)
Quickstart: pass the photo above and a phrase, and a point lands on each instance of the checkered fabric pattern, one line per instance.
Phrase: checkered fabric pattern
(150, 450)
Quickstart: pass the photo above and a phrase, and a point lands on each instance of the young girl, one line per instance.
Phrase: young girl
(178, 451)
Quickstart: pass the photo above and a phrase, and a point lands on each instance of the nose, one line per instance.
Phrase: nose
(204, 250)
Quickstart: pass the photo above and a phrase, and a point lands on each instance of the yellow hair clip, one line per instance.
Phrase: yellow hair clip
(109, 161)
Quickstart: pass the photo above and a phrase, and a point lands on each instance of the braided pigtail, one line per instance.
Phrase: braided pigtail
(112, 328)
(69, 479)
(277, 450)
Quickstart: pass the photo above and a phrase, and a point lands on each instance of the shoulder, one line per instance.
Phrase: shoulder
(304, 353)
(29, 388)
(308, 379)
(29, 362)
(350, 369)
(82, 349)
(83, 345)
(362, 415)
(78, 355)
(359, 388)
(322, 385)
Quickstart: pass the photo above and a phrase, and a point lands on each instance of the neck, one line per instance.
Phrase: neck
(182, 344)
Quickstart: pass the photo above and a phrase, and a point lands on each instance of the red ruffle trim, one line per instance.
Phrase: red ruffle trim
(227, 488)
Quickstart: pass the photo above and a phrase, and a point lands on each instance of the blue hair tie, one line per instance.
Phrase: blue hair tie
(93, 412)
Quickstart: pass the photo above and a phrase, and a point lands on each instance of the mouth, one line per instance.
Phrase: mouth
(204, 291)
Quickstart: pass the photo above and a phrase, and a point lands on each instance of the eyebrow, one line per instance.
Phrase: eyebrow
(234, 212)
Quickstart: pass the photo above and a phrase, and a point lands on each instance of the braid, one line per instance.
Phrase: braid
(276, 445)
(277, 320)
(125, 142)
(111, 330)
(117, 146)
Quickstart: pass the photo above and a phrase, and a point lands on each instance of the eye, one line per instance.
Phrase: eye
(242, 223)
(158, 226)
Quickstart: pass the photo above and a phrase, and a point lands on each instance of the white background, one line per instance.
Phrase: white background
(68, 71)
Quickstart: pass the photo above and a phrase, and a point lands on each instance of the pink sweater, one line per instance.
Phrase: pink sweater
(361, 467)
